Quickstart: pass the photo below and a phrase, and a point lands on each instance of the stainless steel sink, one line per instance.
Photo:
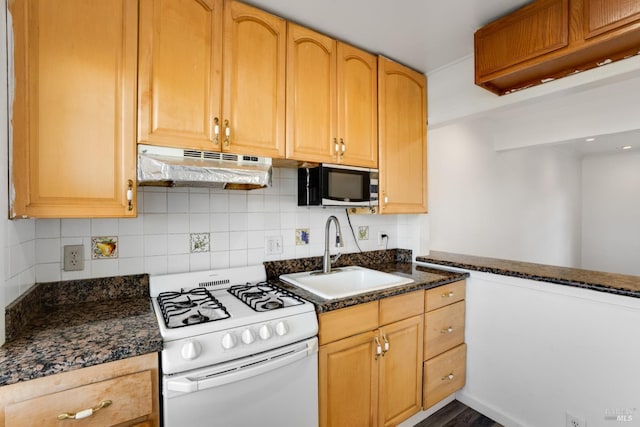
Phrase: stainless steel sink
(344, 281)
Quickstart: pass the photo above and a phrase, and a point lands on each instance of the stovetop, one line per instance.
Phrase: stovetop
(195, 303)
(210, 317)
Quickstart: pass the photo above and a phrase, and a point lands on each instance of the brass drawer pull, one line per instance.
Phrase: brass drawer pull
(447, 330)
(130, 195)
(216, 130)
(85, 412)
(378, 348)
(448, 377)
(386, 344)
(448, 295)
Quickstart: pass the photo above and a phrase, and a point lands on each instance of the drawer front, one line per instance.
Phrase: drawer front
(345, 322)
(444, 329)
(444, 295)
(131, 398)
(401, 307)
(444, 374)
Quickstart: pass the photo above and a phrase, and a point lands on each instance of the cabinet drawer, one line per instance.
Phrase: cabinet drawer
(444, 295)
(444, 329)
(401, 307)
(443, 375)
(345, 322)
(131, 398)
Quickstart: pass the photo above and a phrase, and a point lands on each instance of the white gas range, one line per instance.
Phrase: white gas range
(229, 335)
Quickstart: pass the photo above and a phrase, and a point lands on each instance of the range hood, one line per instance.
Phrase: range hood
(177, 167)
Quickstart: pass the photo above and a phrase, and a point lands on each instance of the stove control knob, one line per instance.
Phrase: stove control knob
(248, 336)
(282, 328)
(190, 350)
(265, 332)
(228, 341)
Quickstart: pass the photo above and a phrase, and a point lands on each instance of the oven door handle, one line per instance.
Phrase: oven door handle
(253, 367)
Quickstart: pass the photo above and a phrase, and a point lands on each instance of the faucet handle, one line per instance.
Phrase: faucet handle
(335, 257)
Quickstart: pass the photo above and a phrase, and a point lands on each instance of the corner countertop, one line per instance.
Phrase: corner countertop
(619, 284)
(49, 331)
(395, 261)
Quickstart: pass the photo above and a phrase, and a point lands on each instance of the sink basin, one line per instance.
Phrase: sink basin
(344, 281)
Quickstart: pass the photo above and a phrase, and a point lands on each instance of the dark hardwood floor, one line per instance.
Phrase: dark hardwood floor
(457, 414)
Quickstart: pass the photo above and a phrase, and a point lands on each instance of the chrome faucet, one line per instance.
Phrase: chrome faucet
(326, 259)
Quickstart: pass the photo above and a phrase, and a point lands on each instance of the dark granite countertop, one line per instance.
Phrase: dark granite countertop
(391, 261)
(613, 283)
(62, 326)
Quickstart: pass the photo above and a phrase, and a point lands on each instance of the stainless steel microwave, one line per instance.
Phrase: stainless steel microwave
(337, 185)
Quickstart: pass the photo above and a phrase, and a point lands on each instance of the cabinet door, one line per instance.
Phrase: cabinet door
(357, 107)
(402, 115)
(254, 60)
(601, 16)
(536, 29)
(180, 76)
(73, 119)
(348, 382)
(401, 371)
(311, 93)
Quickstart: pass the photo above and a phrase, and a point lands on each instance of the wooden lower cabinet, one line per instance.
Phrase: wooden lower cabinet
(123, 393)
(372, 377)
(444, 374)
(400, 371)
(348, 382)
(444, 348)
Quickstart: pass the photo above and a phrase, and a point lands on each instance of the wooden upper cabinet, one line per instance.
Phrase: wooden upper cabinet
(74, 111)
(538, 28)
(601, 16)
(179, 72)
(311, 95)
(254, 61)
(551, 39)
(331, 100)
(212, 77)
(357, 106)
(402, 116)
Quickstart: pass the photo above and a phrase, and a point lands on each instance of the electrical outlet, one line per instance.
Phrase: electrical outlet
(383, 238)
(573, 421)
(73, 258)
(273, 245)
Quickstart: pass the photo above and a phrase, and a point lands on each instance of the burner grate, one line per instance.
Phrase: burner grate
(190, 307)
(264, 296)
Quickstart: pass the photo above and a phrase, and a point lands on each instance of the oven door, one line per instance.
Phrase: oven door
(274, 388)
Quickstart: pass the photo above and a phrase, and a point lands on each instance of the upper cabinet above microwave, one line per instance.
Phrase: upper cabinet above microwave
(212, 77)
(331, 100)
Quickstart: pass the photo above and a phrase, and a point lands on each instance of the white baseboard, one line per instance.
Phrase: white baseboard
(487, 410)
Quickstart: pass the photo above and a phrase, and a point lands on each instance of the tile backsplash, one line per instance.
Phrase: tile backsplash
(189, 229)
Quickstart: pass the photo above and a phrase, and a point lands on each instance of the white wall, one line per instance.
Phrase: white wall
(537, 350)
(520, 204)
(611, 212)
